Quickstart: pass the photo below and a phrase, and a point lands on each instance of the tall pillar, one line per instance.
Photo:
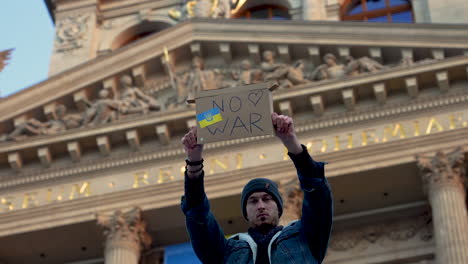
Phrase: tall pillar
(443, 176)
(292, 201)
(125, 236)
(313, 10)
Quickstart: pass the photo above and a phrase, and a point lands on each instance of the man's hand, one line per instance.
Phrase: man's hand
(284, 130)
(192, 149)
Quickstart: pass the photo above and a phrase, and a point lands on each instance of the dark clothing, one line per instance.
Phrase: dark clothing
(262, 241)
(303, 241)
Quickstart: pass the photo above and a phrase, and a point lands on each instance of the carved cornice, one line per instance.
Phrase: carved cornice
(175, 151)
(125, 229)
(443, 169)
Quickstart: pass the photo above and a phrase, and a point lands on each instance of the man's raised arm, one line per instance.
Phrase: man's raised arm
(207, 238)
(317, 207)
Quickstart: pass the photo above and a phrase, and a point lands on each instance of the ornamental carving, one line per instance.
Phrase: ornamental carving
(383, 234)
(443, 169)
(129, 100)
(203, 9)
(71, 33)
(125, 228)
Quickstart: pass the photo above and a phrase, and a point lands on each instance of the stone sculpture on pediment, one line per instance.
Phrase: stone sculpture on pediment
(71, 32)
(133, 100)
(199, 79)
(60, 122)
(362, 65)
(103, 110)
(331, 69)
(286, 75)
(247, 75)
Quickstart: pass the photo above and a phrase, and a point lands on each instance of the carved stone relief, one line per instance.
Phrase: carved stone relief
(384, 234)
(71, 33)
(130, 100)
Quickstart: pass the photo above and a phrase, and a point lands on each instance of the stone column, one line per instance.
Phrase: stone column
(443, 176)
(125, 236)
(313, 10)
(292, 201)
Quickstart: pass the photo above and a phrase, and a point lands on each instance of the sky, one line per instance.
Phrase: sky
(26, 26)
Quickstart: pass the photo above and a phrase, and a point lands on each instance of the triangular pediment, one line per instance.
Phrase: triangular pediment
(387, 59)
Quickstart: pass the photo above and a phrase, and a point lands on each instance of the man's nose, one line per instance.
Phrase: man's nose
(260, 205)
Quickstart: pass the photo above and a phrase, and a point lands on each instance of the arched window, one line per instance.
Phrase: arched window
(137, 32)
(396, 11)
(274, 12)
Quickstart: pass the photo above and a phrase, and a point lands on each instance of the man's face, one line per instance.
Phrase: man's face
(262, 210)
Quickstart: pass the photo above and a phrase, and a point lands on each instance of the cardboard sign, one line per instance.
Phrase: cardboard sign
(237, 112)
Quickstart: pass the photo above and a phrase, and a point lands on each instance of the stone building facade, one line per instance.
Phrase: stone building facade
(91, 163)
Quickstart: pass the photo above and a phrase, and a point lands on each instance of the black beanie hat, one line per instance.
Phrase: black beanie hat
(261, 185)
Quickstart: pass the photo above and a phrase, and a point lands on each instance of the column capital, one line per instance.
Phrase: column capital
(125, 230)
(443, 169)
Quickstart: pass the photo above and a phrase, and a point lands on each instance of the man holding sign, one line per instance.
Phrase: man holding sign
(302, 241)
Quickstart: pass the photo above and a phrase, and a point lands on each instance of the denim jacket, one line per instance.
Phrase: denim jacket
(302, 241)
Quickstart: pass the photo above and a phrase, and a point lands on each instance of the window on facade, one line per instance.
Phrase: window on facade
(265, 12)
(395, 11)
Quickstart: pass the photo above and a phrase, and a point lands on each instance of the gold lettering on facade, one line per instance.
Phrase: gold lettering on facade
(369, 135)
(397, 129)
(215, 162)
(165, 175)
(59, 196)
(7, 202)
(417, 130)
(456, 121)
(239, 161)
(140, 178)
(78, 190)
(350, 141)
(30, 199)
(434, 123)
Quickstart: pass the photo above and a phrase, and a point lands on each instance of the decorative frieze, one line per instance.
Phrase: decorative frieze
(49, 111)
